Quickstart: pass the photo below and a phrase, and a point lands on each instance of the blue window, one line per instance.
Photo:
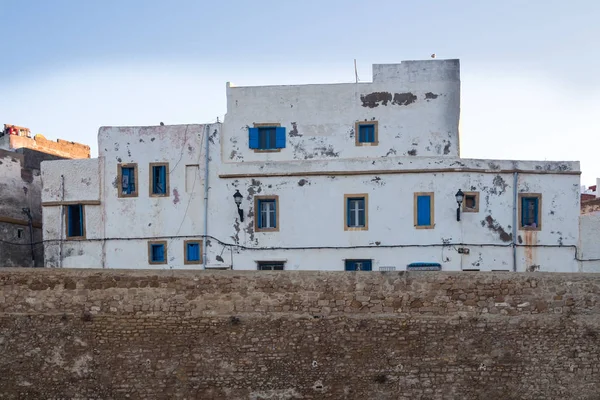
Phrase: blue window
(266, 214)
(157, 252)
(128, 183)
(159, 179)
(356, 212)
(358, 265)
(267, 138)
(366, 133)
(530, 211)
(192, 252)
(424, 210)
(75, 221)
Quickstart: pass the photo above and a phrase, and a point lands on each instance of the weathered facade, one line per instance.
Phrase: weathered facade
(342, 176)
(20, 193)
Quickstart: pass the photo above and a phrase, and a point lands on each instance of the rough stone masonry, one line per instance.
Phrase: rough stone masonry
(97, 334)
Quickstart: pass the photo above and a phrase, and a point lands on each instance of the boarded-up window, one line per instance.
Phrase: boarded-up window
(192, 178)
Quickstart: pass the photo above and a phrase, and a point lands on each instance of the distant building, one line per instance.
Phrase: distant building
(354, 176)
(20, 192)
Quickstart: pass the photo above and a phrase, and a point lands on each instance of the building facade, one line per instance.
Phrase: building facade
(20, 192)
(334, 177)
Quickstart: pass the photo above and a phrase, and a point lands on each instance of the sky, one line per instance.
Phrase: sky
(529, 69)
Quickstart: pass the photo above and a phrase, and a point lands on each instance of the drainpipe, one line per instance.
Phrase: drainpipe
(62, 220)
(206, 135)
(27, 212)
(514, 229)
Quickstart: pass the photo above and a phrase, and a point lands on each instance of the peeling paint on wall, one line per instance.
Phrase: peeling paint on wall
(373, 100)
(494, 226)
(404, 99)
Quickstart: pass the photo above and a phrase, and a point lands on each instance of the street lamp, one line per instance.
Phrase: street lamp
(237, 197)
(459, 199)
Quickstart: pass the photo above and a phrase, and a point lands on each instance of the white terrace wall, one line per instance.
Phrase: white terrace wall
(589, 242)
(416, 104)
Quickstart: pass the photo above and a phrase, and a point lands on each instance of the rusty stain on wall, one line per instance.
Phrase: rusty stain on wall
(494, 226)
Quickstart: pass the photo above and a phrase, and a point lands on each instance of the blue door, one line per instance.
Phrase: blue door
(358, 265)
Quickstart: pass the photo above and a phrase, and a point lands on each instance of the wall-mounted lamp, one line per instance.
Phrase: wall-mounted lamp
(237, 196)
(459, 199)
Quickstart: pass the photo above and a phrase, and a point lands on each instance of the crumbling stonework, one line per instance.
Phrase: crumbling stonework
(297, 335)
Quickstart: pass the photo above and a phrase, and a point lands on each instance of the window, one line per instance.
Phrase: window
(75, 221)
(358, 265)
(270, 265)
(193, 252)
(19, 233)
(157, 252)
(471, 202)
(159, 180)
(367, 133)
(127, 176)
(356, 212)
(530, 211)
(423, 211)
(267, 213)
(267, 137)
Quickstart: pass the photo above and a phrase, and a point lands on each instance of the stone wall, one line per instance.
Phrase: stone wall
(298, 335)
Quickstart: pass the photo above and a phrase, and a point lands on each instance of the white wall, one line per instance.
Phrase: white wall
(416, 103)
(589, 242)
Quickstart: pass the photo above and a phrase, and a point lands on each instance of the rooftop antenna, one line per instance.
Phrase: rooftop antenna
(355, 71)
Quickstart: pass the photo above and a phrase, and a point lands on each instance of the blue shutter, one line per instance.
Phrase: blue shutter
(274, 214)
(423, 210)
(523, 211)
(161, 252)
(367, 265)
(280, 137)
(361, 134)
(259, 215)
(163, 179)
(348, 213)
(371, 134)
(253, 138)
(535, 211)
(69, 221)
(125, 174)
(193, 252)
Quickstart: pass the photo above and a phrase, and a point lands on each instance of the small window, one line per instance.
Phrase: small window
(270, 266)
(267, 137)
(159, 179)
(356, 212)
(530, 211)
(75, 221)
(19, 233)
(366, 133)
(358, 265)
(193, 252)
(157, 252)
(471, 202)
(267, 213)
(127, 176)
(423, 212)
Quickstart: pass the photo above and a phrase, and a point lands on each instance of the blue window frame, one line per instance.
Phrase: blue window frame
(424, 210)
(159, 179)
(266, 215)
(192, 252)
(359, 265)
(366, 133)
(157, 252)
(530, 211)
(356, 212)
(267, 138)
(75, 221)
(128, 181)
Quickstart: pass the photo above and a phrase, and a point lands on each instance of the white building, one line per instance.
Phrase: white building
(340, 176)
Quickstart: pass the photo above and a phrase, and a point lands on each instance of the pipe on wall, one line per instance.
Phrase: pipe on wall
(204, 251)
(514, 225)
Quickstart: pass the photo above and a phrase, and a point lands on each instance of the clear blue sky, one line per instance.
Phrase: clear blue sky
(530, 86)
